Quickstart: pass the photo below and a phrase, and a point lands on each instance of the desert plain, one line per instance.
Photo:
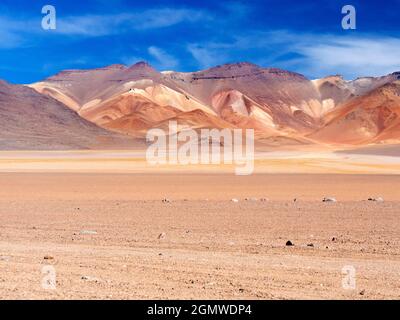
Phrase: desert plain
(98, 219)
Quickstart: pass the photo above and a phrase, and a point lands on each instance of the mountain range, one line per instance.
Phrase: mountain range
(113, 106)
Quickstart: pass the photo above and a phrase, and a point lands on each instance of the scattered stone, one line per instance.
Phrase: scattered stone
(165, 200)
(379, 199)
(48, 257)
(162, 235)
(264, 199)
(235, 200)
(329, 199)
(289, 243)
(89, 278)
(88, 232)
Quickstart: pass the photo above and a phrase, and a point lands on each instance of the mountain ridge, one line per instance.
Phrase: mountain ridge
(279, 105)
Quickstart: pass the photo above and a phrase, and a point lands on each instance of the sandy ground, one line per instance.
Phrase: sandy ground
(100, 233)
(135, 162)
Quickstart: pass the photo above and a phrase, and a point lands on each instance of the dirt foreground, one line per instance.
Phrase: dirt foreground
(109, 236)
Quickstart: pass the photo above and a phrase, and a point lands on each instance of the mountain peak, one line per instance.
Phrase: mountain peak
(141, 64)
(237, 66)
(396, 74)
(115, 66)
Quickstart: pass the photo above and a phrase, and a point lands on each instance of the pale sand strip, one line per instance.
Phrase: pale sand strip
(135, 162)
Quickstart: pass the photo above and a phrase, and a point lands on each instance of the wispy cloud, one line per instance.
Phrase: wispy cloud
(315, 55)
(12, 32)
(15, 31)
(163, 60)
(209, 54)
(101, 25)
(351, 56)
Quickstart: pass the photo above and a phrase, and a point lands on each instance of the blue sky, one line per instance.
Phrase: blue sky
(304, 36)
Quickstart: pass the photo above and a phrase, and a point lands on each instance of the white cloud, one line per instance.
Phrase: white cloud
(163, 59)
(11, 32)
(209, 55)
(100, 25)
(15, 31)
(352, 56)
(315, 55)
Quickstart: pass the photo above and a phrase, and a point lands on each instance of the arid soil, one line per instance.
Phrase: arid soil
(111, 236)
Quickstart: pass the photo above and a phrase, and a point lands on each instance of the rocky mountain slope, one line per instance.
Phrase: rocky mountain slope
(283, 107)
(32, 121)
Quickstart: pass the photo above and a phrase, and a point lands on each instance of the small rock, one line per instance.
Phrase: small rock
(329, 200)
(310, 245)
(88, 232)
(334, 239)
(48, 258)
(362, 292)
(379, 199)
(295, 199)
(165, 200)
(264, 199)
(89, 278)
(162, 235)
(289, 243)
(235, 200)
